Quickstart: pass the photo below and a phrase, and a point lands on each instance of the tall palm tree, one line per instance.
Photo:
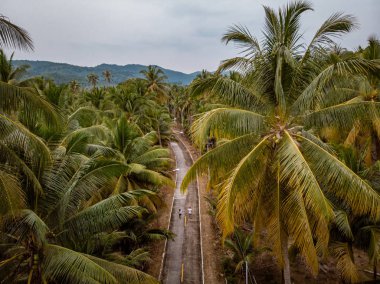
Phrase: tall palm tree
(50, 243)
(8, 73)
(93, 79)
(74, 86)
(364, 133)
(156, 78)
(13, 98)
(273, 171)
(107, 76)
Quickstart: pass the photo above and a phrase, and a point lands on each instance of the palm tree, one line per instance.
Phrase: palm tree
(107, 76)
(74, 86)
(93, 79)
(273, 171)
(243, 253)
(203, 74)
(95, 96)
(14, 99)
(51, 229)
(363, 133)
(156, 78)
(8, 73)
(147, 163)
(13, 36)
(49, 244)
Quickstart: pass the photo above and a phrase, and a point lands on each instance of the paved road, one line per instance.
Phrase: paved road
(182, 263)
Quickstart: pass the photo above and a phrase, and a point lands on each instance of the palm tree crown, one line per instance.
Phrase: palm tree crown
(273, 170)
(156, 78)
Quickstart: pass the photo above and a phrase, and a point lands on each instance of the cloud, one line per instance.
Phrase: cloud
(179, 34)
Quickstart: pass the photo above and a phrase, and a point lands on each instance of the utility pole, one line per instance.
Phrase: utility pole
(246, 272)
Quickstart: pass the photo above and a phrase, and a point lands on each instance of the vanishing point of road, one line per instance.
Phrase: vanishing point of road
(183, 256)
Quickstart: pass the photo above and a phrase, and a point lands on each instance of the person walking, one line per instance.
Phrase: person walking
(189, 211)
(180, 213)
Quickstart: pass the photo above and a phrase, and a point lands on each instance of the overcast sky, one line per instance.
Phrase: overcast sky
(179, 34)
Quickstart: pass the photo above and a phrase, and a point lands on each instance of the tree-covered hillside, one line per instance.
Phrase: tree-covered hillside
(63, 73)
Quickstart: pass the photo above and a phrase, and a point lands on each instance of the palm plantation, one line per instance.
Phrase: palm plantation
(64, 211)
(270, 128)
(290, 136)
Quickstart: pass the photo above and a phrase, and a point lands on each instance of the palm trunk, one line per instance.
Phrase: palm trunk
(374, 269)
(285, 256)
(182, 117)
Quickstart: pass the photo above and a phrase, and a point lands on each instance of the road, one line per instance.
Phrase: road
(183, 259)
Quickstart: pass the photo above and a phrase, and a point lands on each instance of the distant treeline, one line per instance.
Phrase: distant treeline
(63, 73)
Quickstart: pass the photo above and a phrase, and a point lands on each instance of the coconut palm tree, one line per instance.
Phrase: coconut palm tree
(51, 229)
(273, 171)
(40, 248)
(147, 163)
(363, 133)
(156, 78)
(74, 86)
(243, 253)
(93, 79)
(8, 73)
(95, 96)
(14, 99)
(107, 76)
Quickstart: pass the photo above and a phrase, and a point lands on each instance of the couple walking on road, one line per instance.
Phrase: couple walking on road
(189, 212)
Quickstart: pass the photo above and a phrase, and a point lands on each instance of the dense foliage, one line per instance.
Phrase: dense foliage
(80, 176)
(290, 133)
(296, 128)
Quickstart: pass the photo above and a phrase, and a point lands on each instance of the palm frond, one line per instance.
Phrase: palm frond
(340, 181)
(242, 37)
(10, 155)
(226, 123)
(235, 189)
(146, 176)
(241, 64)
(222, 159)
(101, 209)
(101, 217)
(12, 196)
(346, 266)
(67, 266)
(125, 274)
(230, 91)
(23, 223)
(16, 134)
(313, 95)
(335, 26)
(296, 173)
(151, 155)
(34, 106)
(84, 116)
(343, 224)
(72, 188)
(374, 243)
(343, 115)
(13, 36)
(298, 227)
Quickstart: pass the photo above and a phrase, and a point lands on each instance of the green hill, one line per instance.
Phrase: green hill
(64, 73)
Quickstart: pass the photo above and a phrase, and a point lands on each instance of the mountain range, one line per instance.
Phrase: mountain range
(63, 73)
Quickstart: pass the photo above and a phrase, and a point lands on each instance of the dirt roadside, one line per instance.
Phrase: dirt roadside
(162, 221)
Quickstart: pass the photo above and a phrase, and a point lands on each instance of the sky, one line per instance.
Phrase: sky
(183, 35)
